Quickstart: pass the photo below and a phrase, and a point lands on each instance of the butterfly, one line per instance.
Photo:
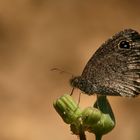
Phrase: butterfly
(114, 69)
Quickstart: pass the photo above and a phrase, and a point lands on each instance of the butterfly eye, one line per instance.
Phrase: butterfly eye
(124, 45)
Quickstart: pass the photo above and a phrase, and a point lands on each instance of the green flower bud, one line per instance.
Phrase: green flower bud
(67, 108)
(90, 116)
(103, 126)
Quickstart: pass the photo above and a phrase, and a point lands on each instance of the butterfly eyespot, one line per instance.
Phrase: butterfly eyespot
(124, 45)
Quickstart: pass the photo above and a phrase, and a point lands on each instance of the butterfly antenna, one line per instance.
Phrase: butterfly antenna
(62, 71)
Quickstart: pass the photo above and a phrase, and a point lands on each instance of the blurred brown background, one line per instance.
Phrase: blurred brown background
(37, 35)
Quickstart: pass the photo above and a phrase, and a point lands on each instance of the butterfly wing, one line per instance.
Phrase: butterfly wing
(114, 69)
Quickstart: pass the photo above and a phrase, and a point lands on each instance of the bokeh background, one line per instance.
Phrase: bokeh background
(37, 35)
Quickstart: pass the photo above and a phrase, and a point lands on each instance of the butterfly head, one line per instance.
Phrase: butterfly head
(83, 84)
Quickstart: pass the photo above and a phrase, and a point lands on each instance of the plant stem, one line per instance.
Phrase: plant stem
(82, 135)
(98, 137)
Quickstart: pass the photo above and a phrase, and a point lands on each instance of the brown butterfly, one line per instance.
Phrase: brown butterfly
(114, 69)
